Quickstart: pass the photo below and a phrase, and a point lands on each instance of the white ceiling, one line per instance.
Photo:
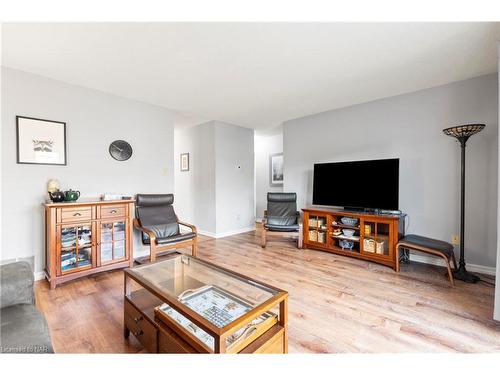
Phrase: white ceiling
(252, 74)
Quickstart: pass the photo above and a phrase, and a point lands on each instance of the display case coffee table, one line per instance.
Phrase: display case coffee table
(187, 305)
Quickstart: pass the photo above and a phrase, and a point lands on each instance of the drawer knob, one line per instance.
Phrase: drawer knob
(77, 214)
(138, 333)
(112, 212)
(138, 319)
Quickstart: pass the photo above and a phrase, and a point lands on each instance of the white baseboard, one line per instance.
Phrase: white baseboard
(440, 262)
(226, 234)
(40, 275)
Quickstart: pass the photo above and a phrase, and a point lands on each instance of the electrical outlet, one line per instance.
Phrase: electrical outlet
(455, 239)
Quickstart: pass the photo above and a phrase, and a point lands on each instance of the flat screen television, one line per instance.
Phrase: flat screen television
(369, 184)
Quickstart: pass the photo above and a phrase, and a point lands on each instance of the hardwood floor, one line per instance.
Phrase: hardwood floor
(336, 304)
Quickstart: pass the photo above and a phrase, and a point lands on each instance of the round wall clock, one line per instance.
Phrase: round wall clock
(120, 150)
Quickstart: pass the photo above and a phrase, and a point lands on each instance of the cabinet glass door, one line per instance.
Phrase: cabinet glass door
(76, 247)
(318, 228)
(376, 237)
(112, 246)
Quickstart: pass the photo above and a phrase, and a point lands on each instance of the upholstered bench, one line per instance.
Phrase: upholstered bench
(430, 246)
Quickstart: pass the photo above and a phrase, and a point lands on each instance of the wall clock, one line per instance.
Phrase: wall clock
(120, 150)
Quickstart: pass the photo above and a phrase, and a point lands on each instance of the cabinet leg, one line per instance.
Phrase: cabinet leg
(126, 332)
(52, 284)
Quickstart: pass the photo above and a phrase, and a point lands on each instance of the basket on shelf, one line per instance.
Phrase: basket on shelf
(380, 247)
(369, 245)
(313, 235)
(313, 223)
(372, 246)
(321, 237)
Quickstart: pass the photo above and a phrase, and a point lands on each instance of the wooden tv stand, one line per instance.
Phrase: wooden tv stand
(375, 236)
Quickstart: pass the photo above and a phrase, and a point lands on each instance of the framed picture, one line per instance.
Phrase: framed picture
(185, 162)
(276, 170)
(40, 141)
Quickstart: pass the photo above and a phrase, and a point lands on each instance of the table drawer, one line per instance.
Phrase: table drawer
(169, 342)
(113, 211)
(273, 341)
(141, 328)
(72, 214)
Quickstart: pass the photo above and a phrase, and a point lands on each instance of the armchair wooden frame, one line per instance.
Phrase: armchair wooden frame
(156, 249)
(265, 233)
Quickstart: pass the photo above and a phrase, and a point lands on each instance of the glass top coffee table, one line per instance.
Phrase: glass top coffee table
(187, 305)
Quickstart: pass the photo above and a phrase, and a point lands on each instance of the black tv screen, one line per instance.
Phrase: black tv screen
(372, 184)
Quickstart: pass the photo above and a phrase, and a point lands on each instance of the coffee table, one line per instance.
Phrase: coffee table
(187, 305)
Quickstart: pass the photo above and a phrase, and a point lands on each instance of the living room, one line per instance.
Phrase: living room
(250, 187)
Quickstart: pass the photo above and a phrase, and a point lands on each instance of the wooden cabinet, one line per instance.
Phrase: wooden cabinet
(366, 236)
(85, 237)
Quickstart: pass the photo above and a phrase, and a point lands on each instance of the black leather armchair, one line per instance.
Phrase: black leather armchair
(159, 225)
(281, 215)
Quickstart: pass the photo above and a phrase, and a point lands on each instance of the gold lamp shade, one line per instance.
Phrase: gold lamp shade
(463, 131)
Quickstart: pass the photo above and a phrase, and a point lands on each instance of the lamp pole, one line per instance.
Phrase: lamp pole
(462, 134)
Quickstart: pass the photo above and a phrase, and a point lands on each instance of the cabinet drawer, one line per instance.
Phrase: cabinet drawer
(72, 214)
(141, 328)
(113, 211)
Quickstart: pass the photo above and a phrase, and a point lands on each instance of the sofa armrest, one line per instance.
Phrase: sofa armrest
(16, 284)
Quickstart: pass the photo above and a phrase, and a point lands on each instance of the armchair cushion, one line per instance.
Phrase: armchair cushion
(161, 231)
(174, 239)
(148, 200)
(282, 228)
(16, 284)
(155, 212)
(282, 209)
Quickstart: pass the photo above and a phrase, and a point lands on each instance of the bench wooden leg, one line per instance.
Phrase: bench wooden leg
(397, 258)
(450, 273)
(455, 267)
(263, 238)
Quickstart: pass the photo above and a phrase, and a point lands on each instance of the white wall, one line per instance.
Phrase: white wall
(94, 119)
(410, 127)
(234, 178)
(265, 146)
(217, 194)
(497, 287)
(195, 189)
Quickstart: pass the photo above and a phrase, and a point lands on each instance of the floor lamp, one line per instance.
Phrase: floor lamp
(462, 134)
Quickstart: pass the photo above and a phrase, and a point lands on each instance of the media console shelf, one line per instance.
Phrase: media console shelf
(375, 235)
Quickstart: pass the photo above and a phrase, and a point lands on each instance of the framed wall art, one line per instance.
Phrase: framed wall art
(40, 141)
(276, 169)
(185, 162)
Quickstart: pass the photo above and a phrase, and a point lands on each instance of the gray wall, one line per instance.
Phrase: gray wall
(234, 178)
(195, 189)
(94, 119)
(410, 127)
(217, 194)
(265, 146)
